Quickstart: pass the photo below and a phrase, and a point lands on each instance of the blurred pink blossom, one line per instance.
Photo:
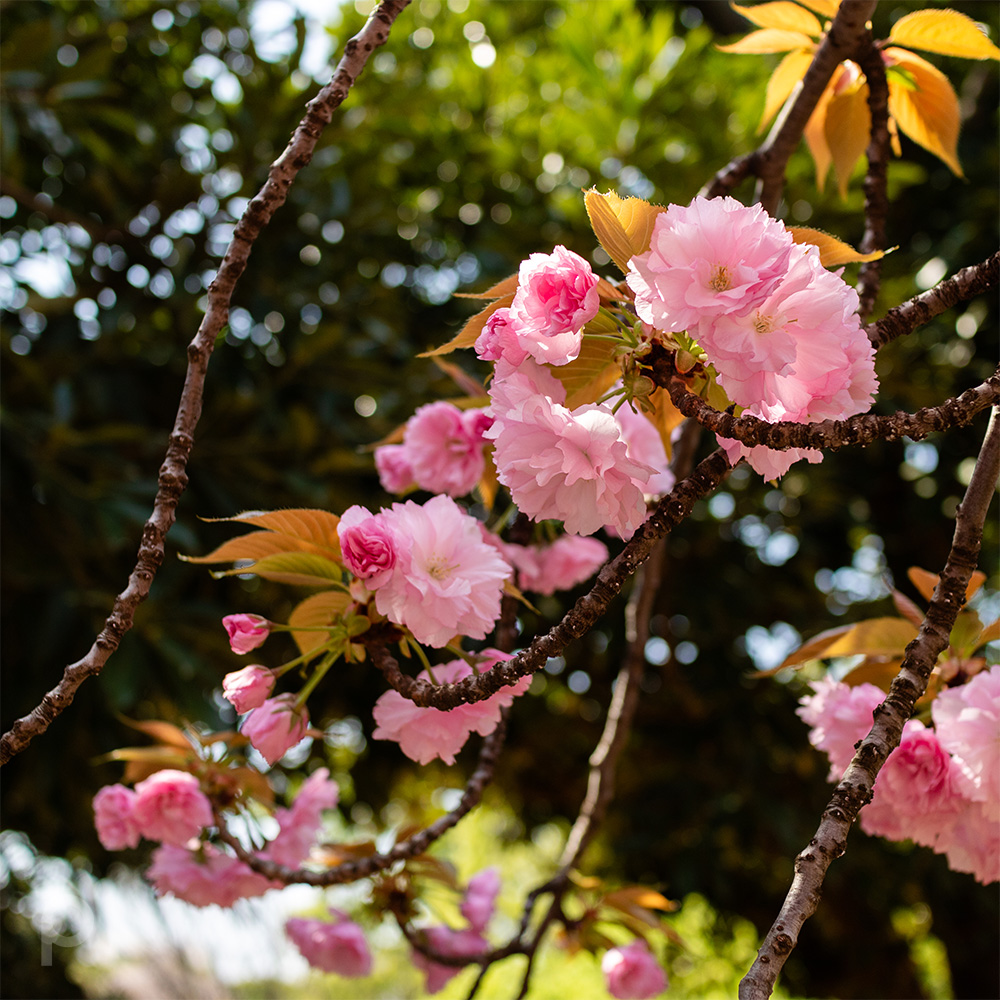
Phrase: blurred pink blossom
(568, 561)
(972, 844)
(370, 545)
(395, 472)
(426, 733)
(711, 258)
(204, 876)
(113, 819)
(556, 295)
(171, 807)
(449, 942)
(632, 972)
(338, 947)
(248, 688)
(445, 448)
(839, 716)
(480, 898)
(451, 581)
(646, 447)
(300, 823)
(246, 632)
(275, 727)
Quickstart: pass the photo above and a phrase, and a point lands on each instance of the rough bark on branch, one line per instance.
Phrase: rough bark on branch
(173, 475)
(855, 787)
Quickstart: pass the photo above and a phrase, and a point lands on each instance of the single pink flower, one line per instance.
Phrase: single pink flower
(451, 582)
(426, 733)
(447, 941)
(205, 876)
(116, 826)
(916, 795)
(248, 688)
(338, 947)
(645, 446)
(499, 339)
(171, 807)
(568, 561)
(556, 296)
(246, 632)
(632, 972)
(370, 545)
(445, 448)
(710, 258)
(300, 824)
(275, 727)
(480, 898)
(567, 464)
(972, 844)
(967, 720)
(839, 716)
(395, 471)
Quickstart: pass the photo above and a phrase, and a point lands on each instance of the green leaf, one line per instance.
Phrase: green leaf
(302, 568)
(946, 32)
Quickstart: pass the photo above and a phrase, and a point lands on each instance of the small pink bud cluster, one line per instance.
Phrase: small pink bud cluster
(782, 332)
(941, 786)
(632, 972)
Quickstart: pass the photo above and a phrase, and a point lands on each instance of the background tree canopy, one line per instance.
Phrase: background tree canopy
(132, 135)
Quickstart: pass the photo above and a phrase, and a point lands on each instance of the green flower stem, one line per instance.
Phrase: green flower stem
(318, 675)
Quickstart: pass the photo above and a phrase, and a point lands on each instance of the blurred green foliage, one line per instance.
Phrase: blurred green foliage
(133, 132)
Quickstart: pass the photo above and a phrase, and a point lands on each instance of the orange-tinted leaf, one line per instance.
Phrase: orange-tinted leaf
(165, 733)
(873, 637)
(989, 634)
(787, 74)
(811, 649)
(317, 609)
(880, 672)
(469, 333)
(925, 582)
(767, 40)
(825, 8)
(832, 252)
(254, 545)
(506, 287)
(466, 382)
(623, 226)
(314, 529)
(611, 293)
(781, 14)
(305, 569)
(252, 783)
(640, 895)
(815, 135)
(847, 129)
(488, 484)
(907, 608)
(589, 376)
(929, 113)
(666, 418)
(946, 32)
(141, 762)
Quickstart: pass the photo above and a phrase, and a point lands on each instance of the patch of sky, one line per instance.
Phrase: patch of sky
(866, 579)
(767, 647)
(272, 27)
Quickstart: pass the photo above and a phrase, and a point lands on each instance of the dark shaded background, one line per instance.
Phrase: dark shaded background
(436, 176)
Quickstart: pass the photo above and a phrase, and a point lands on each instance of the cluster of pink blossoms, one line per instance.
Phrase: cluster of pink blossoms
(782, 332)
(941, 786)
(338, 947)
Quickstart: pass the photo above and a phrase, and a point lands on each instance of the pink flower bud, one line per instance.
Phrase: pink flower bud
(248, 688)
(275, 727)
(116, 827)
(632, 973)
(333, 947)
(171, 807)
(246, 632)
(370, 545)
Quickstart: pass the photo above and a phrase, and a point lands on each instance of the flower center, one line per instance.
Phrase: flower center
(438, 567)
(720, 280)
(763, 324)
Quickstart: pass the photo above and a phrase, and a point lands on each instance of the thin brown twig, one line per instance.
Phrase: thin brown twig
(173, 475)
(855, 788)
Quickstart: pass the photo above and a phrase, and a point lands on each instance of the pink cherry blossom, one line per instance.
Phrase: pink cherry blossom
(839, 716)
(300, 824)
(633, 972)
(395, 471)
(205, 876)
(447, 941)
(480, 898)
(370, 545)
(646, 447)
(452, 581)
(972, 844)
(171, 807)
(445, 448)
(967, 720)
(338, 947)
(426, 733)
(568, 561)
(116, 826)
(711, 258)
(248, 688)
(916, 793)
(498, 339)
(567, 464)
(275, 727)
(246, 632)
(556, 295)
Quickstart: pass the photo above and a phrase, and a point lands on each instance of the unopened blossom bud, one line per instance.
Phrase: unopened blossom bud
(275, 727)
(248, 688)
(246, 632)
(632, 973)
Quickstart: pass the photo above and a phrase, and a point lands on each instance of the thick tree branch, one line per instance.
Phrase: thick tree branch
(833, 434)
(855, 787)
(173, 476)
(668, 513)
(916, 312)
